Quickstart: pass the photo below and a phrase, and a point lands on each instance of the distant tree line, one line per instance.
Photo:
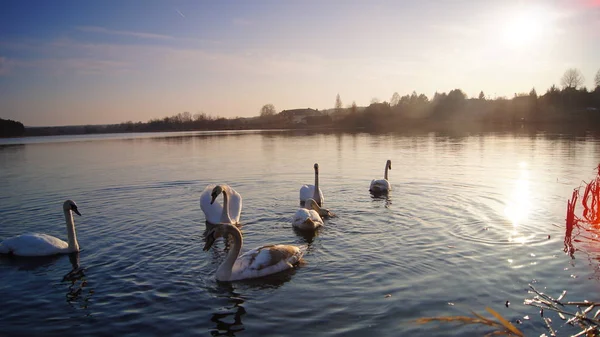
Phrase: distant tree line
(10, 128)
(572, 105)
(569, 105)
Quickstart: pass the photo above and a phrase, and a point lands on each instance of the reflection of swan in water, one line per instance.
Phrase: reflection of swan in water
(233, 308)
(215, 213)
(42, 244)
(312, 191)
(258, 262)
(310, 217)
(78, 282)
(379, 186)
(229, 302)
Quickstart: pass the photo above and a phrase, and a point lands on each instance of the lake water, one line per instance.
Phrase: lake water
(472, 220)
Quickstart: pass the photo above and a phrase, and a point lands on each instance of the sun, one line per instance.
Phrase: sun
(523, 27)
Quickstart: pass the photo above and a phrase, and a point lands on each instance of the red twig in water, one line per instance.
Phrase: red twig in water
(591, 209)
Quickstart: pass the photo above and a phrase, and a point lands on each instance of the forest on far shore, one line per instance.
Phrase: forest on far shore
(569, 106)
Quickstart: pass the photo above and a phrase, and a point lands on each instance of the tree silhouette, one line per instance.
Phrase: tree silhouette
(338, 103)
(597, 79)
(572, 78)
(481, 95)
(267, 110)
(395, 100)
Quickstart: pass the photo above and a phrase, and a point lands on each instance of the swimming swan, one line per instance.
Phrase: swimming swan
(382, 185)
(42, 244)
(215, 213)
(257, 262)
(312, 191)
(310, 218)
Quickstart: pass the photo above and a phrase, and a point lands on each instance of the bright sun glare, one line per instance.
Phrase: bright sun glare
(523, 27)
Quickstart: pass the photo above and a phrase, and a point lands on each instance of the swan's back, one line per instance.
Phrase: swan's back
(380, 185)
(301, 217)
(265, 261)
(33, 245)
(308, 191)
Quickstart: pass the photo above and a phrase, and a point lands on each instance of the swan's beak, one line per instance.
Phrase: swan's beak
(76, 211)
(212, 200)
(210, 239)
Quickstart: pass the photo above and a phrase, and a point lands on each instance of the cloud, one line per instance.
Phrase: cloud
(141, 35)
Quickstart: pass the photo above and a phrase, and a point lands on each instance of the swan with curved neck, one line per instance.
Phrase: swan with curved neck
(312, 191)
(42, 244)
(382, 185)
(311, 217)
(214, 213)
(255, 263)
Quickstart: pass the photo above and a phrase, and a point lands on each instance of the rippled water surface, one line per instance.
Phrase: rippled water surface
(471, 221)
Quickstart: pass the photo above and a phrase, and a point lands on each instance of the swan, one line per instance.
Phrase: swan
(42, 244)
(258, 262)
(310, 218)
(312, 191)
(382, 185)
(215, 213)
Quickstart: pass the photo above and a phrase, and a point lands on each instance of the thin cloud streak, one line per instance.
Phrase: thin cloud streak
(141, 35)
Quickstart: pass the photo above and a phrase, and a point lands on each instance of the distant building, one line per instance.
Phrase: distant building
(299, 116)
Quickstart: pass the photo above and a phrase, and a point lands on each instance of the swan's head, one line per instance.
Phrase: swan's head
(212, 235)
(215, 193)
(389, 164)
(70, 205)
(316, 168)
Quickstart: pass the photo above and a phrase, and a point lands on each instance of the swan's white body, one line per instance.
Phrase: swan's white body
(258, 262)
(41, 244)
(312, 191)
(382, 185)
(310, 217)
(215, 213)
(307, 219)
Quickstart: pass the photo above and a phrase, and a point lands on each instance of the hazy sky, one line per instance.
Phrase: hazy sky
(96, 62)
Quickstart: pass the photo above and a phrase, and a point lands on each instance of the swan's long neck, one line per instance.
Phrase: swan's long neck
(225, 213)
(225, 269)
(316, 194)
(385, 175)
(73, 244)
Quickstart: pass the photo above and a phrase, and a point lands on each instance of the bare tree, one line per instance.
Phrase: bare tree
(338, 103)
(481, 95)
(267, 110)
(572, 78)
(597, 79)
(395, 100)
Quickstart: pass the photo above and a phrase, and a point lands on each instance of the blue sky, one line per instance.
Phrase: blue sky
(96, 62)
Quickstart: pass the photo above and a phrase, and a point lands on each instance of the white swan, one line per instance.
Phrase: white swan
(312, 191)
(310, 218)
(382, 185)
(215, 213)
(255, 263)
(42, 244)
